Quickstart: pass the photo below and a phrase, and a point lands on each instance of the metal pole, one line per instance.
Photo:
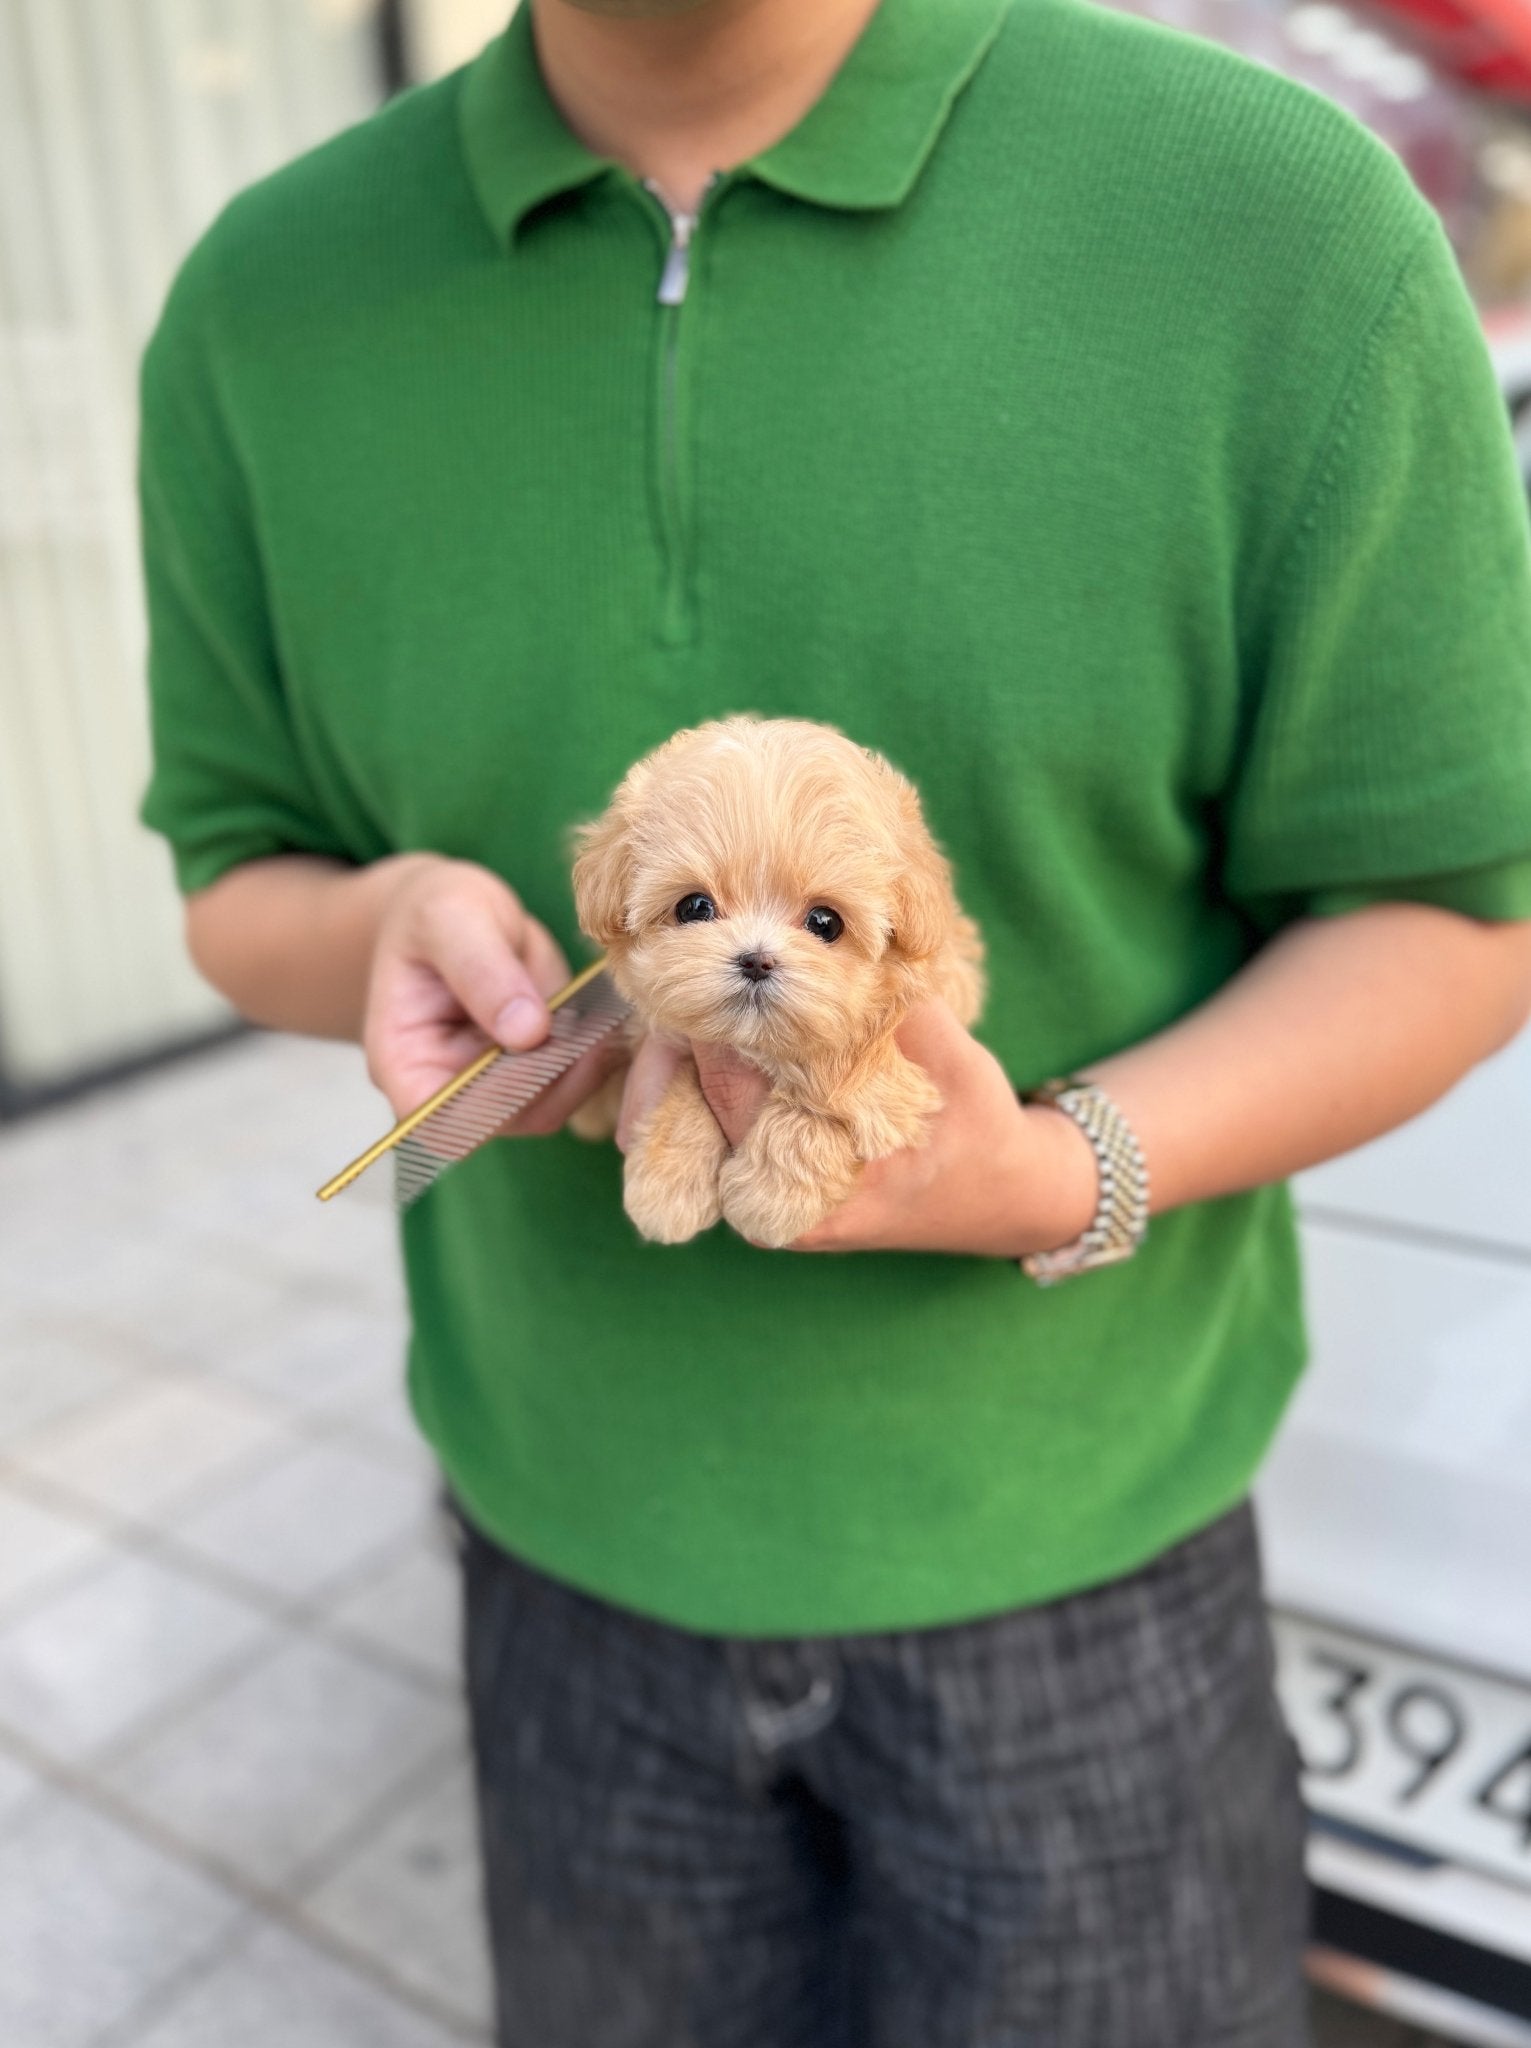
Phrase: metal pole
(393, 46)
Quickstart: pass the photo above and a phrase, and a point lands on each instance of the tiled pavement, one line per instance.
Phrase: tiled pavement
(233, 1800)
(233, 1805)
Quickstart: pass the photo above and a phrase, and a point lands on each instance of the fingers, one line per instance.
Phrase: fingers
(415, 1035)
(734, 1089)
(472, 942)
(458, 964)
(654, 1067)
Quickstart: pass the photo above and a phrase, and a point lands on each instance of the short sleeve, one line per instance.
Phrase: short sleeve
(227, 781)
(1387, 746)
(1499, 891)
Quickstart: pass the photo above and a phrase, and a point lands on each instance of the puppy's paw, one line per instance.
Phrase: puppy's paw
(791, 1171)
(767, 1208)
(670, 1175)
(669, 1200)
(894, 1111)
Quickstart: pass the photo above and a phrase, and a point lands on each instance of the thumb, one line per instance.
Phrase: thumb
(933, 1037)
(653, 1069)
(734, 1089)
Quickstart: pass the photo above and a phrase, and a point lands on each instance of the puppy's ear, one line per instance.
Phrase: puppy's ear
(924, 901)
(602, 874)
(924, 904)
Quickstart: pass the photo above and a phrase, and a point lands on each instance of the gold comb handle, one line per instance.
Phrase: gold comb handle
(445, 1093)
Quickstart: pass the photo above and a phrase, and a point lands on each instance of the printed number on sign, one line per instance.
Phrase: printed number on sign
(1427, 1753)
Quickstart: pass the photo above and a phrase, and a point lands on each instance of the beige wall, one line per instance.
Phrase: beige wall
(125, 127)
(445, 33)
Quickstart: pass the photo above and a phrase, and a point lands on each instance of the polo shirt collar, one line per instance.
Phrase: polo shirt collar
(865, 141)
(861, 145)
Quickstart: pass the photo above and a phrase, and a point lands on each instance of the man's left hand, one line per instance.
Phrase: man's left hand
(992, 1179)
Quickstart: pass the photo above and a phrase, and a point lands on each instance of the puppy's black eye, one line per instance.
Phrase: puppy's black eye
(824, 923)
(697, 909)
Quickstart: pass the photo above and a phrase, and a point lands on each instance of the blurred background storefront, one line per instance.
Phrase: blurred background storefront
(124, 126)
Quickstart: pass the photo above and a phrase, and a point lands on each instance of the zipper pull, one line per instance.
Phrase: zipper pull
(676, 274)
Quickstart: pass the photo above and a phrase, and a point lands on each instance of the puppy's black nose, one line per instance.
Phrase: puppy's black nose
(755, 966)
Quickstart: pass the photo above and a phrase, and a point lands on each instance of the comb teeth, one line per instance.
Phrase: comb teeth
(507, 1085)
(474, 1106)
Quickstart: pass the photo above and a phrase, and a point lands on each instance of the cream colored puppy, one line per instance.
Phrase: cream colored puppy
(766, 884)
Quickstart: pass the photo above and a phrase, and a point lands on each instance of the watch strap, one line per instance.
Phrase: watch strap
(1120, 1222)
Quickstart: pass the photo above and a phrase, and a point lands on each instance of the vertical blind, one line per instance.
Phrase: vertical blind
(124, 125)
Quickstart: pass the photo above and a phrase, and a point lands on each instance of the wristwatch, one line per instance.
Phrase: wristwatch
(1121, 1215)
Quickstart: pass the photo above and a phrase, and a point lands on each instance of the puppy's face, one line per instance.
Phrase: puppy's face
(768, 885)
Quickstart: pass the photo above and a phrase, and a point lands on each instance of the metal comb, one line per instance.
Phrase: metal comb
(473, 1105)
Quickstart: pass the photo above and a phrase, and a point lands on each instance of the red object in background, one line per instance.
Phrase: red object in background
(1485, 41)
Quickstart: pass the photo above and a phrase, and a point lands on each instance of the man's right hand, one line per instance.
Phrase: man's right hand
(425, 960)
(460, 964)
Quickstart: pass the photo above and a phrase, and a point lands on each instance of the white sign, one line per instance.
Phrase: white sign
(1426, 1753)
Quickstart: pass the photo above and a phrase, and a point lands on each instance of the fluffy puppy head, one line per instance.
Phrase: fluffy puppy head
(766, 884)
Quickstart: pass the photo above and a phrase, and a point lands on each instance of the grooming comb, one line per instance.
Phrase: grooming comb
(474, 1104)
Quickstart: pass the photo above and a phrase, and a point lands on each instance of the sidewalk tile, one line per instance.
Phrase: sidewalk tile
(280, 1993)
(119, 1644)
(66, 1236)
(91, 1921)
(412, 1607)
(411, 1896)
(18, 1786)
(384, 1412)
(181, 1301)
(307, 1521)
(155, 1442)
(50, 1369)
(315, 1351)
(38, 1545)
(271, 1770)
(354, 1248)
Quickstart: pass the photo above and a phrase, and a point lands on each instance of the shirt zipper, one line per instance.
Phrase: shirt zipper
(676, 274)
(674, 284)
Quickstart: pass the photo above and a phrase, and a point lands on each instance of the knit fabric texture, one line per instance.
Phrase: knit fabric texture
(1091, 420)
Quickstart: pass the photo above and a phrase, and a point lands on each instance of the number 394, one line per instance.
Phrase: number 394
(1425, 1725)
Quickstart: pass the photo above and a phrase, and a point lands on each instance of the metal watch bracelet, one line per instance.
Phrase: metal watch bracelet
(1121, 1215)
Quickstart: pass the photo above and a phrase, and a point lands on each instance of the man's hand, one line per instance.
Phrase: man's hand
(460, 964)
(992, 1179)
(426, 961)
(1339, 1029)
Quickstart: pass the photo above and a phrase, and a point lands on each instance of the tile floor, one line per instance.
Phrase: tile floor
(234, 1805)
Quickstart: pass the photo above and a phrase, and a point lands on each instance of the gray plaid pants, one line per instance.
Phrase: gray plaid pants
(1068, 1826)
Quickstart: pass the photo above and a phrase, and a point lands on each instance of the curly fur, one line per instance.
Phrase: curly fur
(770, 818)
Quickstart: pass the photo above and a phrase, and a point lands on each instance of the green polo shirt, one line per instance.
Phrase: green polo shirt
(1087, 418)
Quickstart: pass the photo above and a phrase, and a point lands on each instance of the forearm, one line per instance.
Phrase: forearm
(423, 960)
(289, 941)
(1339, 1030)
